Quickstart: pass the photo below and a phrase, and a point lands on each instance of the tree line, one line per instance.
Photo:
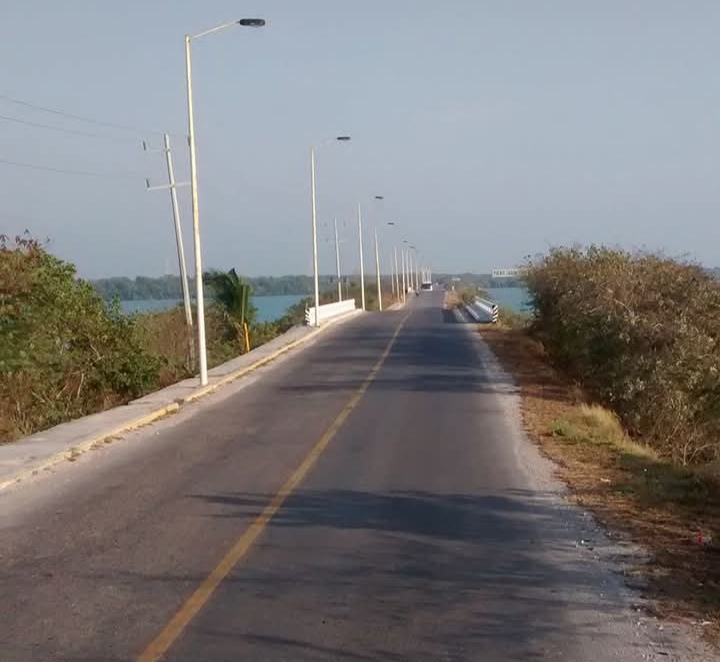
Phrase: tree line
(169, 287)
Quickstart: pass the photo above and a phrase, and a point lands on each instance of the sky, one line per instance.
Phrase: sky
(494, 130)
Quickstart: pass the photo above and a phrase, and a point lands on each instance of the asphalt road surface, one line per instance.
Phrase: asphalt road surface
(370, 498)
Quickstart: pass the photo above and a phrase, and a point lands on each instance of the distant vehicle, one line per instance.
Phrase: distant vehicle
(426, 287)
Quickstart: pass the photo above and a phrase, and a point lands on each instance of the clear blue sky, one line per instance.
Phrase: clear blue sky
(493, 129)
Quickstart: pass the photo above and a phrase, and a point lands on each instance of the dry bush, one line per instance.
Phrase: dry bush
(641, 331)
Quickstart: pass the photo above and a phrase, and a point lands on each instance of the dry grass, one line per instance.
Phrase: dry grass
(164, 334)
(452, 299)
(672, 511)
(597, 425)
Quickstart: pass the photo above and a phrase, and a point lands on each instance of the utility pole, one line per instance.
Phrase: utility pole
(337, 262)
(377, 267)
(404, 282)
(362, 265)
(172, 186)
(178, 236)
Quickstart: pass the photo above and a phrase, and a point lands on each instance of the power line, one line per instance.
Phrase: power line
(79, 118)
(67, 171)
(74, 132)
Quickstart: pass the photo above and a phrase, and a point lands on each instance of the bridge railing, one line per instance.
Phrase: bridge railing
(329, 310)
(482, 310)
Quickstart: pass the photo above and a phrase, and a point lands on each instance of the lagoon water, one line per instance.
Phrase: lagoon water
(273, 307)
(269, 308)
(516, 298)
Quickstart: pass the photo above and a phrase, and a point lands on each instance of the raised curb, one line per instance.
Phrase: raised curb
(31, 465)
(72, 452)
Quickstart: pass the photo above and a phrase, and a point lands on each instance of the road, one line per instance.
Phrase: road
(370, 498)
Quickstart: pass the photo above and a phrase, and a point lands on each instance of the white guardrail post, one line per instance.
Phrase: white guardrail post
(482, 310)
(329, 310)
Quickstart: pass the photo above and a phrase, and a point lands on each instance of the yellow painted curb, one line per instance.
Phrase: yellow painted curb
(227, 379)
(75, 451)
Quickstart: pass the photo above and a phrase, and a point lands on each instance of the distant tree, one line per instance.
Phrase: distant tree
(169, 287)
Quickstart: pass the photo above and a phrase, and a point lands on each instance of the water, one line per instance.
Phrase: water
(269, 308)
(512, 297)
(273, 307)
(148, 306)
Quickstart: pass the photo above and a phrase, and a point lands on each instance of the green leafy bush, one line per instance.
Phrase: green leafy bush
(63, 352)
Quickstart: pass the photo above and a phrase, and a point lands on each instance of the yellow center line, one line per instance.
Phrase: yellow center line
(182, 618)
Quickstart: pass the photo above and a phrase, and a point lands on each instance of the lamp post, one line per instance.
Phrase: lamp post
(362, 265)
(314, 229)
(407, 283)
(377, 262)
(337, 262)
(200, 303)
(411, 280)
(396, 276)
(415, 272)
(377, 270)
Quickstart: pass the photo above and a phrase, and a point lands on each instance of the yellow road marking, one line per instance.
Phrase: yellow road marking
(182, 618)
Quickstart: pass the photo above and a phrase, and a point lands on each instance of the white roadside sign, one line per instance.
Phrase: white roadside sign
(506, 273)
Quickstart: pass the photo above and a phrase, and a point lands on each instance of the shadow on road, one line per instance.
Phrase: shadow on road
(428, 357)
(441, 576)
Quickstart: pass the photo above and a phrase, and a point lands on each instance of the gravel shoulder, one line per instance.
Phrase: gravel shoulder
(626, 567)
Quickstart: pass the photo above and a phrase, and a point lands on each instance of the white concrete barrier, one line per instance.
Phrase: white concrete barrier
(328, 311)
(482, 310)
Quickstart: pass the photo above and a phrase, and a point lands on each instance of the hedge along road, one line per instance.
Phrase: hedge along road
(370, 498)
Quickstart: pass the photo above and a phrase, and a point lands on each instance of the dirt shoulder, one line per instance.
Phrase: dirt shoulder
(672, 512)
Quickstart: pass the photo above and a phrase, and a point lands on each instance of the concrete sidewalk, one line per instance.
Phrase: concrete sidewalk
(43, 450)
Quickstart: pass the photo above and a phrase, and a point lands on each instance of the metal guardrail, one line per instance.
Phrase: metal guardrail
(482, 310)
(329, 310)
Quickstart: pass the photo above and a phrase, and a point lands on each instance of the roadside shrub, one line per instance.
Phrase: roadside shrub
(165, 335)
(467, 294)
(66, 353)
(512, 319)
(63, 352)
(641, 331)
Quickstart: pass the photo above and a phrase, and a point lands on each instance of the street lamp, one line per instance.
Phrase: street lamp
(314, 228)
(337, 262)
(377, 262)
(202, 348)
(397, 268)
(362, 265)
(406, 278)
(362, 262)
(414, 275)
